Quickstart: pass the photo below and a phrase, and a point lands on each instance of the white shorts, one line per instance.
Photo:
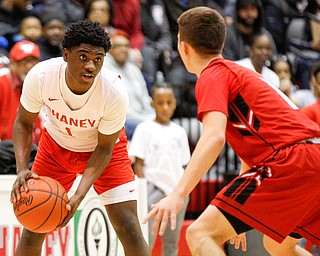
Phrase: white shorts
(122, 193)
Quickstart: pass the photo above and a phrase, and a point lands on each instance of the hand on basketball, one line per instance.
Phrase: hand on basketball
(72, 207)
(239, 240)
(163, 211)
(21, 180)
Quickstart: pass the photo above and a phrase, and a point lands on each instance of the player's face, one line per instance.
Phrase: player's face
(84, 64)
(164, 103)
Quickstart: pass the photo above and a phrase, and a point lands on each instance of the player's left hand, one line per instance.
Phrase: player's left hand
(163, 211)
(239, 240)
(72, 207)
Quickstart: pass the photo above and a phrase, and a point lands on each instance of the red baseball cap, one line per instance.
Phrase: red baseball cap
(24, 49)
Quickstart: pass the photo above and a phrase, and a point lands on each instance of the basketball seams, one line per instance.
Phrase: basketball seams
(53, 206)
(50, 209)
(38, 190)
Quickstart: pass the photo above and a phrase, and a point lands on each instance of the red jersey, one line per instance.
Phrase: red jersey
(261, 119)
(9, 103)
(313, 111)
(10, 93)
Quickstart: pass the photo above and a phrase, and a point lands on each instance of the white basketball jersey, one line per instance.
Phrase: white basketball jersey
(104, 108)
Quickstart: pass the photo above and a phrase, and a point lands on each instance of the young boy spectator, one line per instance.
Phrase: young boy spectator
(161, 150)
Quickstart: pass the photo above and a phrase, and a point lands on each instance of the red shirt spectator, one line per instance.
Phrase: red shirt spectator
(127, 18)
(23, 56)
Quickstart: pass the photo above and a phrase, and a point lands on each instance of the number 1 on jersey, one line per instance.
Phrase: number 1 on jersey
(68, 131)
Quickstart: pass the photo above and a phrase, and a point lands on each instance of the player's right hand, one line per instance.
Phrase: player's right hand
(163, 211)
(21, 180)
(239, 240)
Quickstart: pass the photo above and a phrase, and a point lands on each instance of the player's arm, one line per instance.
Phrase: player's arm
(244, 167)
(206, 152)
(22, 138)
(97, 162)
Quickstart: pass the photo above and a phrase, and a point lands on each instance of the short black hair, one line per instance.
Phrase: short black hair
(86, 32)
(158, 86)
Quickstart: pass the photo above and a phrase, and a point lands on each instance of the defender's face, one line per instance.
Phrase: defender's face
(84, 64)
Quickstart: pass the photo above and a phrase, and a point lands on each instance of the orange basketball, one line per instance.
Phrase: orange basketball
(43, 207)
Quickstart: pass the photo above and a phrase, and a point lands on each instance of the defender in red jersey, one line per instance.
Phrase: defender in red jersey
(278, 147)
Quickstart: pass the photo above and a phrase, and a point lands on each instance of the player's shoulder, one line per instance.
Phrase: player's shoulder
(112, 80)
(107, 75)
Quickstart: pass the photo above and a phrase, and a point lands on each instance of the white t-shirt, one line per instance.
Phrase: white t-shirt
(164, 149)
(73, 121)
(266, 72)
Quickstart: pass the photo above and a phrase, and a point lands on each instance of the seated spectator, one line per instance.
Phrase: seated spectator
(248, 20)
(23, 56)
(30, 29)
(52, 35)
(259, 54)
(277, 16)
(309, 47)
(117, 60)
(127, 18)
(157, 47)
(100, 11)
(69, 10)
(283, 68)
(12, 12)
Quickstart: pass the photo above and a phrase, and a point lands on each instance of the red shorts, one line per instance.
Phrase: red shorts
(281, 197)
(64, 165)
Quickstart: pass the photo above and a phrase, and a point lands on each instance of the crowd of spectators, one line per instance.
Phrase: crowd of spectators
(257, 37)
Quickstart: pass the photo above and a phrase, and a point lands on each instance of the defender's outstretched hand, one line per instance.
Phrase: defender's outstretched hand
(239, 240)
(163, 211)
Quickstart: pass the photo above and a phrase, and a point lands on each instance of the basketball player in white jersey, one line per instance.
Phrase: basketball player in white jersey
(85, 108)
